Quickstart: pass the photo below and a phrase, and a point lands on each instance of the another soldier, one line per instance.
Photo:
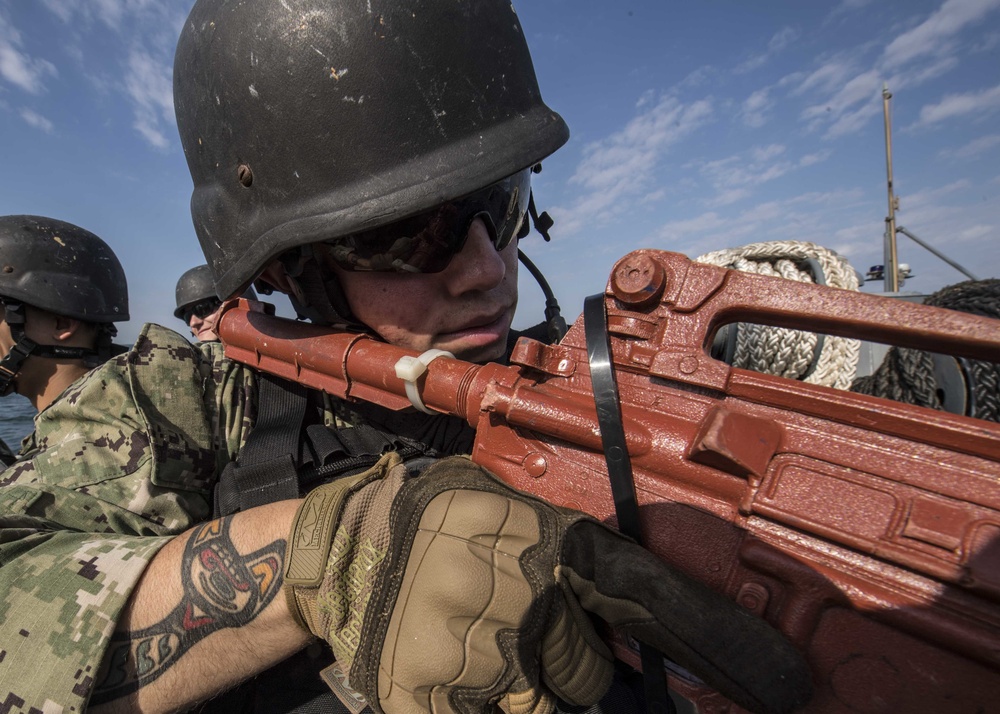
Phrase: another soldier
(326, 138)
(121, 458)
(62, 290)
(197, 304)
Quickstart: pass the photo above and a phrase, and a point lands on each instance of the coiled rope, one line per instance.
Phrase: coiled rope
(779, 350)
(907, 375)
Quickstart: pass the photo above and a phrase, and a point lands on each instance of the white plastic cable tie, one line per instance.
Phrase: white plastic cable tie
(409, 370)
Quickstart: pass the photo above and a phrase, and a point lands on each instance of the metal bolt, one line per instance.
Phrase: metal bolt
(638, 280)
(245, 175)
(535, 465)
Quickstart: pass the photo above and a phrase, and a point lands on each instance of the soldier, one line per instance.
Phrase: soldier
(62, 288)
(373, 162)
(198, 305)
(73, 291)
(117, 464)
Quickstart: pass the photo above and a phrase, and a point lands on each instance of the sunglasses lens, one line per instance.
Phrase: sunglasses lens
(427, 242)
(201, 310)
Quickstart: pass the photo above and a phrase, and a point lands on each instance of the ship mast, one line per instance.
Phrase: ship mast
(891, 259)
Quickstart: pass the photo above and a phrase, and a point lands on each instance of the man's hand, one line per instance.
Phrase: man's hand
(451, 592)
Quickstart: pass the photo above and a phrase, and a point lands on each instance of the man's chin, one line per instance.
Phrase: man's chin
(482, 353)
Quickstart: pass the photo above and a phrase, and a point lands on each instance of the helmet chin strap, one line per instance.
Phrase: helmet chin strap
(24, 347)
(11, 363)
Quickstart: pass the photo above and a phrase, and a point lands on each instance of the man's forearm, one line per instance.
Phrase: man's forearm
(207, 614)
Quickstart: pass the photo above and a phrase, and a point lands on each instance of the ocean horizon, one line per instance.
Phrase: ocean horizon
(16, 420)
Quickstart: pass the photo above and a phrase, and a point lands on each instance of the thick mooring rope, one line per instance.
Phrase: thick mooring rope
(907, 375)
(782, 351)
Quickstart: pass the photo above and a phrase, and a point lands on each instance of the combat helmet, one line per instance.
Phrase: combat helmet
(195, 292)
(307, 120)
(63, 269)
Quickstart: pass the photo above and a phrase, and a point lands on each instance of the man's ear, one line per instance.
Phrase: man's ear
(276, 276)
(64, 329)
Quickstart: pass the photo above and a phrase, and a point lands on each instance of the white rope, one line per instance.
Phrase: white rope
(779, 350)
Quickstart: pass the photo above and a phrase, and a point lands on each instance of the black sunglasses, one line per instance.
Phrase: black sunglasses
(427, 242)
(201, 309)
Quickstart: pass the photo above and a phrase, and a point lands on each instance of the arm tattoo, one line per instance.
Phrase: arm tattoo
(221, 588)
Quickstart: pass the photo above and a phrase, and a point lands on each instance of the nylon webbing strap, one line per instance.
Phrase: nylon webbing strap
(337, 452)
(609, 418)
(265, 470)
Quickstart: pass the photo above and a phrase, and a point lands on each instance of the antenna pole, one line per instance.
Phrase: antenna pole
(891, 259)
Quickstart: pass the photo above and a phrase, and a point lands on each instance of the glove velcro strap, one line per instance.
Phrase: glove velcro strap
(312, 536)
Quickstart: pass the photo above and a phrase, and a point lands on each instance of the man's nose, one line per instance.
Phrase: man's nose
(478, 266)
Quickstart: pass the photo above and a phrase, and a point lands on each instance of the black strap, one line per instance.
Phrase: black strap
(609, 418)
(331, 452)
(11, 363)
(265, 470)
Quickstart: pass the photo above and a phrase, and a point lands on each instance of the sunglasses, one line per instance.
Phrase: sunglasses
(201, 309)
(427, 242)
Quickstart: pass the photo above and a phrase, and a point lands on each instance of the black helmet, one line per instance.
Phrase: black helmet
(61, 268)
(304, 120)
(196, 285)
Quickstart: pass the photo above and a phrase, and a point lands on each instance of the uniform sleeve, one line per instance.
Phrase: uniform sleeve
(61, 593)
(123, 462)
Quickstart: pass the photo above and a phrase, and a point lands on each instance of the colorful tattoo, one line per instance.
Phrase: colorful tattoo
(221, 589)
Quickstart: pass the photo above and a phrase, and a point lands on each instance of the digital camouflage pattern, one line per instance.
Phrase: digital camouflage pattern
(123, 461)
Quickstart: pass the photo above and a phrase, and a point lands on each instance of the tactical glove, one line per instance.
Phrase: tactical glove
(451, 592)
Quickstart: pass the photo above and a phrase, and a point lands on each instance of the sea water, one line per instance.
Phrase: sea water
(16, 415)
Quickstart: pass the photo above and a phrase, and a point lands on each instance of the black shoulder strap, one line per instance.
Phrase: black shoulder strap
(282, 458)
(265, 470)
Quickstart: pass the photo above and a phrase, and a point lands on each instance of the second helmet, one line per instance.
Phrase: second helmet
(62, 268)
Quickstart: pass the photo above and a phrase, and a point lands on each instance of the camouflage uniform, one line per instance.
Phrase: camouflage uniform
(123, 461)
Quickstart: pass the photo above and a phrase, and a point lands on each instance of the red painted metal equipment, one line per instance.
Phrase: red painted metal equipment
(866, 530)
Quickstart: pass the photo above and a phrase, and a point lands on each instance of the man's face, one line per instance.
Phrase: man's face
(204, 329)
(466, 309)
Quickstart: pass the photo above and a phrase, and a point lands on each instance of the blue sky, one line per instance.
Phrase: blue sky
(695, 127)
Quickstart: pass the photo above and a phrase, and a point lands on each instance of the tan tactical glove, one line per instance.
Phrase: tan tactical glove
(452, 592)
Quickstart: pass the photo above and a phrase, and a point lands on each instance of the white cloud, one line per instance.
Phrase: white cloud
(862, 87)
(845, 7)
(779, 41)
(934, 33)
(17, 66)
(755, 109)
(829, 76)
(818, 157)
(957, 105)
(146, 31)
(926, 51)
(676, 230)
(37, 120)
(974, 148)
(149, 85)
(728, 197)
(765, 153)
(111, 13)
(617, 171)
(930, 195)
